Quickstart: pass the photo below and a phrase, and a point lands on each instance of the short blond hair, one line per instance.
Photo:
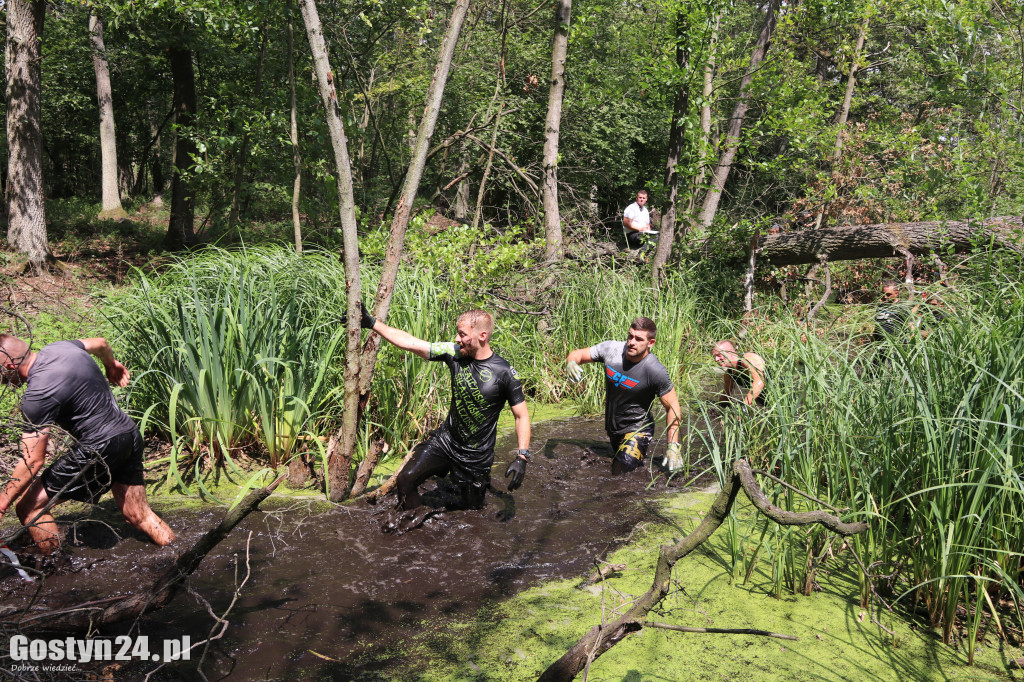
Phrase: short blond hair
(480, 320)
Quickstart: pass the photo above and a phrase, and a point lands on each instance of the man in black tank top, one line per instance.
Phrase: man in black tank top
(482, 382)
(66, 388)
(744, 372)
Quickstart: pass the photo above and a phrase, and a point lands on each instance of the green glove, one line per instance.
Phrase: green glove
(574, 371)
(673, 457)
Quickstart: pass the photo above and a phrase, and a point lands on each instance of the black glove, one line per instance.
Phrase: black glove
(367, 320)
(517, 470)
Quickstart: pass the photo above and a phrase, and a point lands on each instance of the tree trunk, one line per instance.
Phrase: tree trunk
(889, 239)
(181, 229)
(337, 466)
(236, 193)
(676, 137)
(601, 638)
(26, 215)
(294, 134)
(498, 87)
(412, 182)
(108, 144)
(559, 47)
(844, 112)
(732, 136)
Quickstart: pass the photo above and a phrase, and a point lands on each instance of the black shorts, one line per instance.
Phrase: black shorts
(85, 473)
(630, 448)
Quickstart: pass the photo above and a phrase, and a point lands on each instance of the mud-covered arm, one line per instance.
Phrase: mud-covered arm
(755, 365)
(117, 374)
(33, 454)
(673, 415)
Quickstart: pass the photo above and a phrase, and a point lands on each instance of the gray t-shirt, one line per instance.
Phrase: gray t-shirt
(630, 387)
(67, 388)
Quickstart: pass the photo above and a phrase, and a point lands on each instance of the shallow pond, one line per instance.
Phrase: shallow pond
(331, 595)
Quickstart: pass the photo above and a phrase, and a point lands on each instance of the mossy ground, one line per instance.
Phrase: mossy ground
(516, 639)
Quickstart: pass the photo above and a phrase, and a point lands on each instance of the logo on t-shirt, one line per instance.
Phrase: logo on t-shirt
(620, 379)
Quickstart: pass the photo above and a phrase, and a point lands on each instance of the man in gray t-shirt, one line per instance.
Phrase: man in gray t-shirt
(633, 378)
(66, 388)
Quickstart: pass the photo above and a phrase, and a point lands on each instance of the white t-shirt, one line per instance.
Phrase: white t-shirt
(640, 216)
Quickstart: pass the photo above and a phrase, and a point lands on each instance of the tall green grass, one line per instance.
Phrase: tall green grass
(237, 348)
(920, 436)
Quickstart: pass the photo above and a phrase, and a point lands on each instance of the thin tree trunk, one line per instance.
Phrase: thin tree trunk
(243, 153)
(294, 134)
(732, 136)
(462, 191)
(181, 228)
(26, 215)
(559, 48)
(498, 87)
(403, 212)
(337, 466)
(676, 137)
(108, 142)
(705, 105)
(844, 111)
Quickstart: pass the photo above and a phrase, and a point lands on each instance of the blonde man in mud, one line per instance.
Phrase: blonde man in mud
(66, 388)
(482, 382)
(633, 378)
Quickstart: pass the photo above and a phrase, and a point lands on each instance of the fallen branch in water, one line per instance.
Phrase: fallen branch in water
(601, 638)
(91, 615)
(719, 631)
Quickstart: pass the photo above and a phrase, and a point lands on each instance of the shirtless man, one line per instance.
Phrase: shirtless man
(745, 372)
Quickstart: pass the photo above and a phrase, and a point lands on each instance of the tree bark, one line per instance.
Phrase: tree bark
(108, 141)
(181, 227)
(602, 638)
(26, 215)
(403, 212)
(338, 465)
(294, 135)
(843, 114)
(676, 137)
(236, 193)
(549, 194)
(889, 239)
(732, 136)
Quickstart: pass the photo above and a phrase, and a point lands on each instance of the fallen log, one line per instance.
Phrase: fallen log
(889, 239)
(91, 615)
(601, 638)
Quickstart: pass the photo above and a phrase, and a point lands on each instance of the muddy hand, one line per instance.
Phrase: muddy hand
(517, 470)
(673, 459)
(574, 371)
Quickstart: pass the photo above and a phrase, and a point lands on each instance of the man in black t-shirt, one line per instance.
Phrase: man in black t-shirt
(633, 378)
(482, 382)
(66, 388)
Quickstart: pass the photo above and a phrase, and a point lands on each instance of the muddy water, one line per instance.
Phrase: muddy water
(335, 584)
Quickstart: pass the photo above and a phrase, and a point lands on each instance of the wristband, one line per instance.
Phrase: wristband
(524, 453)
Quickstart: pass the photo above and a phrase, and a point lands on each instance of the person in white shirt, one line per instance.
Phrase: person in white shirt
(637, 221)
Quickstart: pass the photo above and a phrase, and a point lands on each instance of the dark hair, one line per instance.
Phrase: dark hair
(645, 324)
